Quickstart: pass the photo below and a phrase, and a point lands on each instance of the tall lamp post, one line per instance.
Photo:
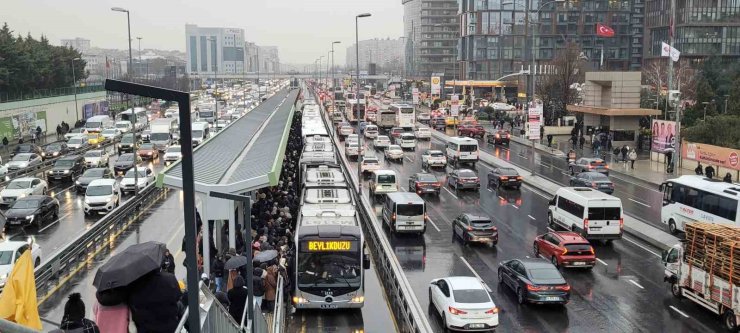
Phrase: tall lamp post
(326, 79)
(357, 99)
(139, 38)
(319, 70)
(333, 107)
(133, 114)
(128, 20)
(74, 88)
(215, 73)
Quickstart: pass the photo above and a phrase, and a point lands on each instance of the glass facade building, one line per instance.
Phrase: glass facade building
(703, 28)
(431, 34)
(495, 36)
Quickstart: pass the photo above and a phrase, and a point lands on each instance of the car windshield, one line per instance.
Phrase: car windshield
(130, 174)
(481, 223)
(410, 209)
(598, 177)
(127, 139)
(94, 153)
(597, 163)
(369, 160)
(93, 124)
(64, 163)
(160, 136)
(471, 296)
(99, 190)
(26, 204)
(426, 177)
(147, 146)
(22, 158)
(126, 158)
(578, 247)
(468, 148)
(197, 133)
(386, 179)
(6, 257)
(508, 172)
(466, 174)
(436, 154)
(108, 132)
(407, 136)
(54, 146)
(394, 147)
(604, 213)
(544, 274)
(175, 149)
(123, 125)
(76, 140)
(94, 172)
(18, 185)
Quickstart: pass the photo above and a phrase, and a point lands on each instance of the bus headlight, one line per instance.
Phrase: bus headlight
(357, 299)
(299, 300)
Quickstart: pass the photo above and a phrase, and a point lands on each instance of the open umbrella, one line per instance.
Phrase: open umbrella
(266, 256)
(236, 262)
(132, 263)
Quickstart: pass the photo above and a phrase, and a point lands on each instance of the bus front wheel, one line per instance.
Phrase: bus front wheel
(672, 227)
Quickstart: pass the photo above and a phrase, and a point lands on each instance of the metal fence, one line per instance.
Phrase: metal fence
(408, 313)
(213, 316)
(278, 313)
(44, 93)
(75, 257)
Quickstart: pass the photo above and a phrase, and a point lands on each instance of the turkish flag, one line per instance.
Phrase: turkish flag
(604, 31)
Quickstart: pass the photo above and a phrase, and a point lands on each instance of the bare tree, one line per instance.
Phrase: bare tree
(556, 89)
(684, 77)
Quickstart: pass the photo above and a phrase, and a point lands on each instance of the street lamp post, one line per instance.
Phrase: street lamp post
(139, 38)
(128, 20)
(333, 106)
(326, 79)
(74, 88)
(357, 100)
(133, 114)
(215, 75)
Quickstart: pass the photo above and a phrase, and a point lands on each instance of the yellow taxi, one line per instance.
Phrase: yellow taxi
(95, 138)
(452, 121)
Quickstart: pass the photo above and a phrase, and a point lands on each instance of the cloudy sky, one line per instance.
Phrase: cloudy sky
(302, 29)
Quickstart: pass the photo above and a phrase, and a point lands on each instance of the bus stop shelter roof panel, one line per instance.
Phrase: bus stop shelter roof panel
(265, 156)
(213, 158)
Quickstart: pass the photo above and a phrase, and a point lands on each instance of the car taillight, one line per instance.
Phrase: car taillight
(563, 288)
(606, 166)
(455, 311)
(494, 229)
(508, 136)
(492, 311)
(591, 248)
(437, 184)
(593, 184)
(590, 166)
(503, 178)
(498, 136)
(621, 223)
(393, 217)
(426, 216)
(585, 224)
(470, 228)
(534, 288)
(565, 251)
(518, 177)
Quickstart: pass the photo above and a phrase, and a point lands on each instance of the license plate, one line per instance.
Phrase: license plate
(552, 298)
(57, 178)
(15, 222)
(595, 228)
(328, 306)
(477, 325)
(579, 263)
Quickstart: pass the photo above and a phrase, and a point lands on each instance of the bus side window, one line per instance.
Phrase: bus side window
(667, 189)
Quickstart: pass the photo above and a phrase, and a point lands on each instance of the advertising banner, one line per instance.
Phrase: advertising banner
(415, 95)
(709, 154)
(533, 129)
(664, 136)
(455, 105)
(436, 85)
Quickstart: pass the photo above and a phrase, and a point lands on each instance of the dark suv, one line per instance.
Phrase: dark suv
(26, 148)
(67, 168)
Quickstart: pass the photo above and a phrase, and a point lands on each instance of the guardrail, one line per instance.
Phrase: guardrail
(278, 313)
(402, 300)
(52, 275)
(214, 316)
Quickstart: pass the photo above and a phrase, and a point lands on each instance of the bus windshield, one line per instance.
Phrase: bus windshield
(159, 136)
(205, 114)
(329, 270)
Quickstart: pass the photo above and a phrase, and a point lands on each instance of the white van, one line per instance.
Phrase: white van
(98, 123)
(124, 126)
(462, 150)
(201, 132)
(383, 182)
(102, 195)
(405, 212)
(594, 214)
(406, 141)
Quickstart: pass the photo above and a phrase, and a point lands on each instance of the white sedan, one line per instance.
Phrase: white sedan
(22, 161)
(10, 251)
(423, 132)
(146, 177)
(382, 141)
(97, 158)
(21, 187)
(394, 152)
(463, 303)
(433, 158)
(369, 164)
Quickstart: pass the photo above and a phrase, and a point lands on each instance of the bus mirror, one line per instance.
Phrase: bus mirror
(664, 255)
(365, 261)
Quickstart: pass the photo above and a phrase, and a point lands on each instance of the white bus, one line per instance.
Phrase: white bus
(405, 117)
(142, 119)
(351, 111)
(696, 198)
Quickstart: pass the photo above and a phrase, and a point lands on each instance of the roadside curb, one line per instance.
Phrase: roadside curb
(632, 226)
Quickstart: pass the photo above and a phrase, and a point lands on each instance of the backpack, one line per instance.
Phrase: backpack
(259, 286)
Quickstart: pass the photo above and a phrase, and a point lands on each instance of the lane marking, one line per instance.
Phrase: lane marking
(602, 262)
(433, 224)
(637, 284)
(679, 311)
(531, 217)
(515, 206)
(55, 222)
(502, 198)
(638, 202)
(409, 159)
(450, 192)
(475, 273)
(527, 257)
(642, 247)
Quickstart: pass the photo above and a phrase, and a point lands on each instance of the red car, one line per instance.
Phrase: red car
(471, 130)
(396, 132)
(565, 249)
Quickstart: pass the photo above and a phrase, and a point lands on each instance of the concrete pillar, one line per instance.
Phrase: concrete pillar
(232, 226)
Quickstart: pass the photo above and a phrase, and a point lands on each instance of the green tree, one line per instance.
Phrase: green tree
(719, 130)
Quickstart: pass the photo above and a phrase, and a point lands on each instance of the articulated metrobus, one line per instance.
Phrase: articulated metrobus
(405, 116)
(696, 198)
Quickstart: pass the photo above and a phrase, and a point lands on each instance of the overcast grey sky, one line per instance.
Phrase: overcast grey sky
(302, 29)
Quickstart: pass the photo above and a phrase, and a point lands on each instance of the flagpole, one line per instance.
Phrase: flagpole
(671, 32)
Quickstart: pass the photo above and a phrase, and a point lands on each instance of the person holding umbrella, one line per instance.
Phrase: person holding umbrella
(111, 311)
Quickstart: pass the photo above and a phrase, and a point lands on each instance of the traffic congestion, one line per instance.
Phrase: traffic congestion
(485, 249)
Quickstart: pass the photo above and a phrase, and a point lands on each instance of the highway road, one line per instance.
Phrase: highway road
(72, 220)
(625, 292)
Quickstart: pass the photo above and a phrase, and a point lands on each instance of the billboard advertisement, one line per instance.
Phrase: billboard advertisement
(709, 154)
(415, 95)
(455, 105)
(95, 109)
(664, 136)
(22, 124)
(436, 85)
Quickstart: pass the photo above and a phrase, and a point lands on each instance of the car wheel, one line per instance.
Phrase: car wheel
(672, 227)
(536, 250)
(554, 261)
(520, 296)
(572, 172)
(56, 214)
(43, 192)
(550, 221)
(676, 290)
(729, 321)
(500, 277)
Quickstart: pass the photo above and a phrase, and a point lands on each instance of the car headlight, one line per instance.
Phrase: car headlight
(30, 217)
(43, 154)
(149, 153)
(55, 153)
(22, 195)
(77, 182)
(66, 171)
(3, 278)
(87, 201)
(50, 171)
(109, 199)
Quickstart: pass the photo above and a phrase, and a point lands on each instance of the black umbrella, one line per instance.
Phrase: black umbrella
(236, 262)
(132, 263)
(266, 256)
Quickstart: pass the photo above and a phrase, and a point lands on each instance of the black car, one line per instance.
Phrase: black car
(26, 148)
(595, 180)
(66, 168)
(534, 281)
(90, 175)
(504, 177)
(54, 149)
(127, 143)
(32, 210)
(125, 162)
(462, 179)
(473, 228)
(423, 182)
(501, 137)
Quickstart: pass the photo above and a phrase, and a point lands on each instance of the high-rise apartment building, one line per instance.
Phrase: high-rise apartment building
(212, 50)
(703, 28)
(494, 34)
(387, 54)
(431, 31)
(79, 44)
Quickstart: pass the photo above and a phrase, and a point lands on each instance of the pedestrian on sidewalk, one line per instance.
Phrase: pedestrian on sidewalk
(624, 152)
(20, 141)
(549, 140)
(5, 143)
(38, 133)
(633, 157)
(59, 132)
(699, 170)
(728, 178)
(581, 141)
(709, 171)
